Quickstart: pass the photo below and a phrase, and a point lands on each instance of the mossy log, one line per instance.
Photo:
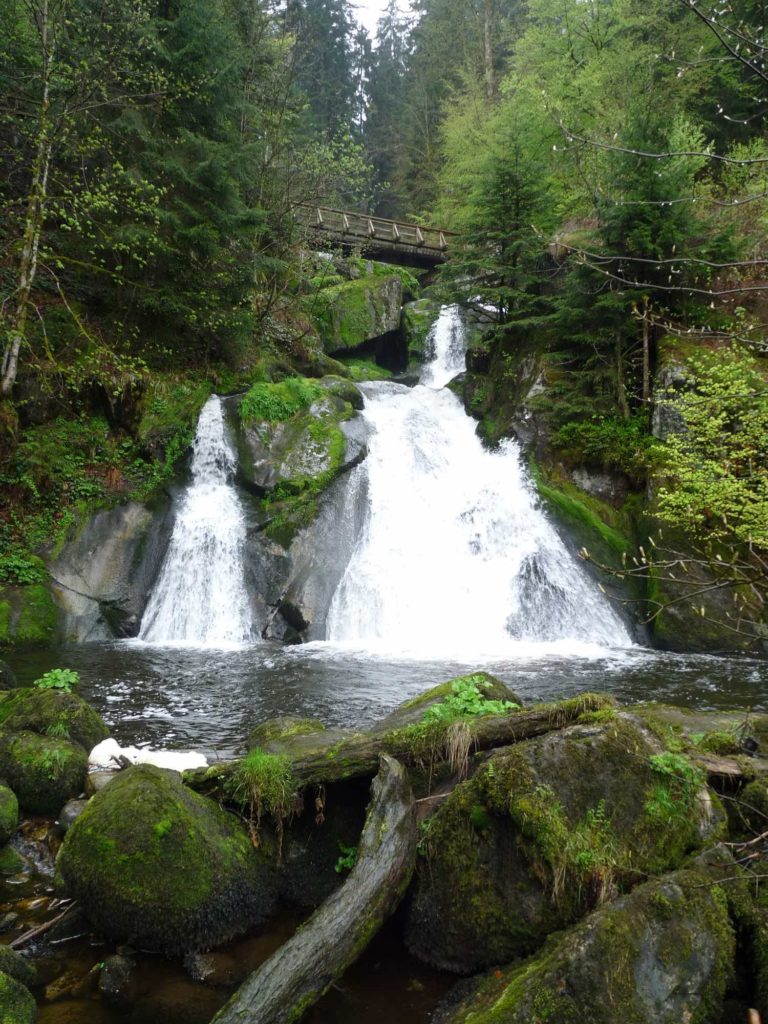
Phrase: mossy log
(306, 966)
(326, 757)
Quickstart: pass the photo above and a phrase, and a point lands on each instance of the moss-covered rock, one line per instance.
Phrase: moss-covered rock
(53, 713)
(349, 314)
(43, 772)
(9, 814)
(664, 953)
(14, 964)
(155, 865)
(544, 831)
(27, 615)
(277, 730)
(16, 1003)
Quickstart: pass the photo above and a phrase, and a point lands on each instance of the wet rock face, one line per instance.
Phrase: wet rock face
(103, 576)
(542, 833)
(155, 865)
(662, 954)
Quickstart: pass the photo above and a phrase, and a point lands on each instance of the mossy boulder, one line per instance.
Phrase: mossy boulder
(42, 771)
(14, 964)
(545, 830)
(27, 615)
(277, 730)
(349, 314)
(155, 865)
(53, 713)
(16, 1003)
(9, 814)
(413, 710)
(664, 953)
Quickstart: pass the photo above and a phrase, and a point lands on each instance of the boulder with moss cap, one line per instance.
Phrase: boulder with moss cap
(155, 865)
(545, 830)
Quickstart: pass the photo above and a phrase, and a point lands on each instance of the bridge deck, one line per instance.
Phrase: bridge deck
(379, 236)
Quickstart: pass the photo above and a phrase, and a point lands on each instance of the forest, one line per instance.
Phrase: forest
(603, 163)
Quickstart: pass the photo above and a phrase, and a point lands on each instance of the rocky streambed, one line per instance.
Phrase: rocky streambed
(570, 861)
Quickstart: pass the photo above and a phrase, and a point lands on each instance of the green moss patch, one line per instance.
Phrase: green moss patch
(9, 814)
(42, 771)
(53, 713)
(16, 1004)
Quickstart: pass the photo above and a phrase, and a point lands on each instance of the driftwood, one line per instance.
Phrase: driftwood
(306, 966)
(319, 759)
(730, 769)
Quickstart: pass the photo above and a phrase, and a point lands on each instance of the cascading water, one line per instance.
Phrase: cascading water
(455, 555)
(200, 597)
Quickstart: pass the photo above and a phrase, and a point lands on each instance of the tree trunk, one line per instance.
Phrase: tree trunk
(320, 758)
(303, 969)
(490, 77)
(33, 223)
(646, 359)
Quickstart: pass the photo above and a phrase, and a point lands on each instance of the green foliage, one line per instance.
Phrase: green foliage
(466, 700)
(65, 679)
(347, 859)
(281, 401)
(673, 798)
(583, 858)
(716, 466)
(609, 442)
(21, 567)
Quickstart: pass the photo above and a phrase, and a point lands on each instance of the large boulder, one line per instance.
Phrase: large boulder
(27, 615)
(155, 865)
(43, 771)
(104, 574)
(54, 713)
(349, 314)
(544, 831)
(662, 954)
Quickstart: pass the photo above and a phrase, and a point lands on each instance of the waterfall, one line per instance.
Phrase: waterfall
(456, 556)
(200, 597)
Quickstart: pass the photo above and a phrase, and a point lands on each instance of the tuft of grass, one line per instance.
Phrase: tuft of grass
(264, 783)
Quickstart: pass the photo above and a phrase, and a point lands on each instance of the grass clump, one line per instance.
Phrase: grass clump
(276, 402)
(264, 783)
(583, 858)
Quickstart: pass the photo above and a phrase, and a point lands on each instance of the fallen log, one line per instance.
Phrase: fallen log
(324, 757)
(306, 966)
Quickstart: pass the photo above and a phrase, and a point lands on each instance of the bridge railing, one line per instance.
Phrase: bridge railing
(345, 224)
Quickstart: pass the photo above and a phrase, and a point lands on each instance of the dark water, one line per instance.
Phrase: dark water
(209, 700)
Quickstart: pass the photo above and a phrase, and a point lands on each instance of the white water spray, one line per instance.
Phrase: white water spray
(200, 597)
(456, 557)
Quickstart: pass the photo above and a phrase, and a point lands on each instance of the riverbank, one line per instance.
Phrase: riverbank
(603, 772)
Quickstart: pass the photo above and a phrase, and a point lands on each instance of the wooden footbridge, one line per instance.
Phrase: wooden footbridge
(391, 241)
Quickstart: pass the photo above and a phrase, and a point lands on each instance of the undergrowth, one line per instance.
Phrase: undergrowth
(281, 401)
